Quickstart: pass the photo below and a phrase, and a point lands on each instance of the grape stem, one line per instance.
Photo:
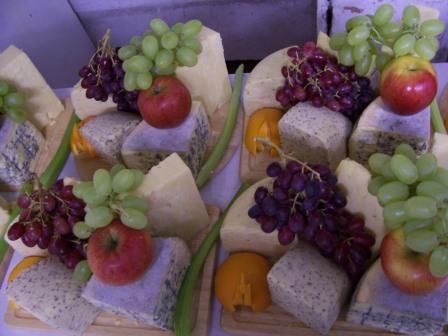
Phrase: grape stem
(436, 118)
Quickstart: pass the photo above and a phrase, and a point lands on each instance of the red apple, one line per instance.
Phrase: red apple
(119, 255)
(166, 103)
(408, 85)
(407, 270)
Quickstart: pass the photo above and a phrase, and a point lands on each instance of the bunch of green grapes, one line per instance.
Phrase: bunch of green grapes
(159, 51)
(11, 102)
(414, 194)
(110, 194)
(368, 35)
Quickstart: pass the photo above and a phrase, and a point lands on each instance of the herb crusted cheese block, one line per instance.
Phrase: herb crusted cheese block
(146, 146)
(49, 291)
(315, 135)
(152, 299)
(309, 286)
(380, 130)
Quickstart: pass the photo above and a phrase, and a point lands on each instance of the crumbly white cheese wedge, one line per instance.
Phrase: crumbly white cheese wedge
(315, 135)
(353, 180)
(440, 149)
(49, 291)
(175, 205)
(377, 303)
(41, 104)
(107, 132)
(309, 286)
(208, 81)
(152, 299)
(89, 107)
(146, 146)
(239, 232)
(380, 130)
(20, 146)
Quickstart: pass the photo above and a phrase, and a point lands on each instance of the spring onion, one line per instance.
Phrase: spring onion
(436, 118)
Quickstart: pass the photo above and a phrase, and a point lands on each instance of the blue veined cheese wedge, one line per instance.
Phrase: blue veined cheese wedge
(380, 130)
(49, 291)
(146, 146)
(107, 132)
(152, 299)
(315, 134)
(377, 303)
(20, 145)
(309, 287)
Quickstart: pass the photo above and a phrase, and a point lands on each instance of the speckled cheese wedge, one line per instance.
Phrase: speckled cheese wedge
(146, 146)
(380, 130)
(20, 145)
(152, 299)
(315, 135)
(377, 303)
(309, 286)
(49, 291)
(107, 132)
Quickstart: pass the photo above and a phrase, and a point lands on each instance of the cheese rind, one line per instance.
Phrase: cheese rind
(208, 81)
(41, 104)
(309, 286)
(175, 205)
(146, 146)
(85, 107)
(152, 299)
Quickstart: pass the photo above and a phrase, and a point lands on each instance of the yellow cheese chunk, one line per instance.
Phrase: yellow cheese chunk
(323, 42)
(89, 107)
(440, 149)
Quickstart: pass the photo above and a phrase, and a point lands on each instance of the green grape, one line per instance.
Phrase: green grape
(361, 50)
(406, 150)
(135, 202)
(16, 114)
(382, 59)
(363, 66)
(138, 178)
(144, 80)
(158, 26)
(345, 55)
(411, 15)
(163, 71)
(92, 198)
(125, 65)
(127, 52)
(130, 81)
(377, 161)
(375, 184)
(102, 182)
(4, 88)
(136, 41)
(150, 46)
(394, 215)
(134, 218)
(123, 181)
(14, 99)
(433, 189)
(99, 217)
(193, 44)
(387, 172)
(393, 192)
(191, 28)
(186, 57)
(432, 27)
(337, 41)
(82, 271)
(425, 49)
(435, 42)
(356, 21)
(169, 40)
(164, 58)
(357, 35)
(426, 166)
(390, 30)
(80, 189)
(116, 168)
(441, 176)
(404, 169)
(82, 230)
(177, 28)
(383, 15)
(139, 64)
(422, 240)
(420, 207)
(404, 45)
(414, 224)
(438, 262)
(441, 227)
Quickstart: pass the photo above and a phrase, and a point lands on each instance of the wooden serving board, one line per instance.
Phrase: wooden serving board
(111, 325)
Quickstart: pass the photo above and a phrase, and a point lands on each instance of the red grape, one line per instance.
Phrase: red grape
(260, 194)
(269, 206)
(269, 224)
(285, 235)
(296, 223)
(364, 239)
(340, 254)
(273, 169)
(16, 231)
(23, 201)
(254, 211)
(61, 226)
(49, 203)
(34, 231)
(72, 259)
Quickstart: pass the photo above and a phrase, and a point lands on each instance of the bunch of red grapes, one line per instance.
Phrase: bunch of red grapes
(315, 76)
(306, 203)
(46, 220)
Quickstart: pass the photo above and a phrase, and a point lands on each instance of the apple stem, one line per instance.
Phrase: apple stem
(436, 118)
